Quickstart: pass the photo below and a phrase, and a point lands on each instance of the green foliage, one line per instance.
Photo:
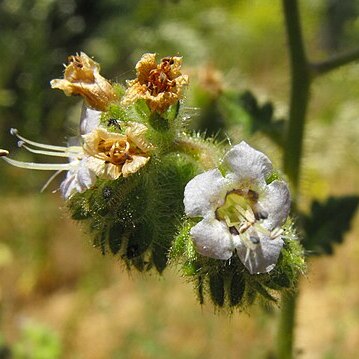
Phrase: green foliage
(231, 110)
(37, 342)
(327, 224)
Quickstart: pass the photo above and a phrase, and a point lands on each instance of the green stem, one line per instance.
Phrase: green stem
(286, 325)
(322, 68)
(302, 73)
(300, 86)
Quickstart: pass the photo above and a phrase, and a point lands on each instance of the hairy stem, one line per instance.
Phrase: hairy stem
(286, 325)
(299, 97)
(300, 84)
(302, 73)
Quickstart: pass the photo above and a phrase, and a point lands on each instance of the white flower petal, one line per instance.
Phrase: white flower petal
(264, 257)
(204, 193)
(276, 202)
(212, 239)
(78, 179)
(90, 119)
(85, 177)
(68, 185)
(247, 163)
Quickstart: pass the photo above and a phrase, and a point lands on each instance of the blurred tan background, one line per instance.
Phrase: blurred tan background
(59, 297)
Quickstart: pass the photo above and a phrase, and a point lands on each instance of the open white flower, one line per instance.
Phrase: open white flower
(241, 212)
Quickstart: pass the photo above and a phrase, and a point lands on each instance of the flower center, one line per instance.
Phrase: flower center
(242, 212)
(159, 79)
(116, 152)
(80, 72)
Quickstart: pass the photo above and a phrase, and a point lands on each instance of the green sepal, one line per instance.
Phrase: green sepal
(216, 287)
(327, 223)
(236, 290)
(228, 284)
(115, 234)
(172, 112)
(159, 123)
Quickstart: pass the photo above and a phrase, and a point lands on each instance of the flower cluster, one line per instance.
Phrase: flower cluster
(134, 171)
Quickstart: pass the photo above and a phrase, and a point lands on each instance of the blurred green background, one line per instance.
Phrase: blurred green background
(59, 298)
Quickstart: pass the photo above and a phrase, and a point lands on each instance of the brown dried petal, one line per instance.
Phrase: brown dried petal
(82, 78)
(160, 85)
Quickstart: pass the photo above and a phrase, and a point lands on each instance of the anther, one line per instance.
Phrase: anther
(254, 240)
(262, 214)
(3, 153)
(234, 231)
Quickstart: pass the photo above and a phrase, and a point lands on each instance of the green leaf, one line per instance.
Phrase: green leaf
(243, 109)
(327, 223)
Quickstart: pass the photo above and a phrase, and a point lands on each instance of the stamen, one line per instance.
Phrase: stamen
(254, 240)
(4, 153)
(241, 211)
(262, 229)
(234, 231)
(246, 239)
(38, 166)
(247, 255)
(47, 153)
(50, 180)
(262, 214)
(276, 233)
(14, 132)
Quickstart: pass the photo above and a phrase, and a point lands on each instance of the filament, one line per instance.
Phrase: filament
(50, 180)
(48, 153)
(14, 132)
(38, 166)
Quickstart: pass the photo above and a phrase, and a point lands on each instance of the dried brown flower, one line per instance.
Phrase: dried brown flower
(161, 85)
(114, 154)
(82, 77)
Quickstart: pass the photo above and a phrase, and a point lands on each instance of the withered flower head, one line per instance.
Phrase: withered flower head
(114, 154)
(161, 85)
(211, 80)
(82, 77)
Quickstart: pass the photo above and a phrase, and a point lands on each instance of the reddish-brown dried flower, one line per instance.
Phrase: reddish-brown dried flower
(161, 85)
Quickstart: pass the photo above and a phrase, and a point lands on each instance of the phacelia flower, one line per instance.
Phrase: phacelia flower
(82, 77)
(160, 85)
(242, 214)
(115, 154)
(79, 177)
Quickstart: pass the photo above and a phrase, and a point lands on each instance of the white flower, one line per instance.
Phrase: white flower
(78, 178)
(241, 213)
